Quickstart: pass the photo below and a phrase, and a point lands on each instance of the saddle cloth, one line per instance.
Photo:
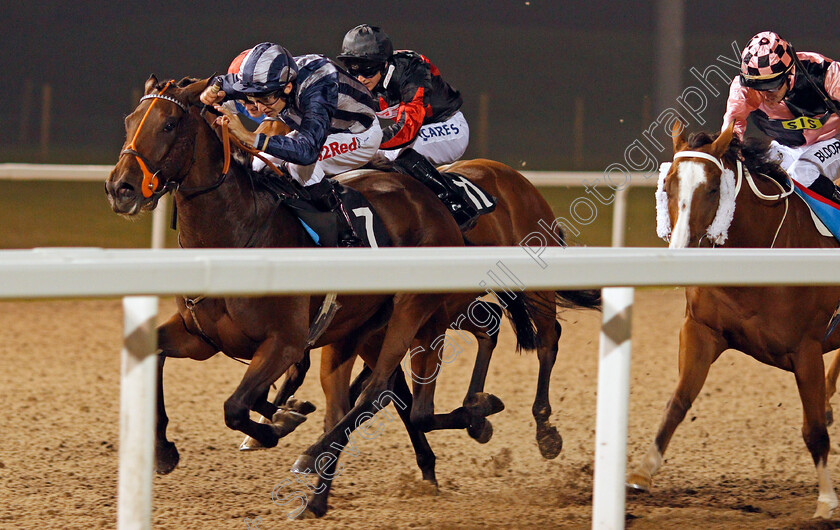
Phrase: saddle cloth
(472, 192)
(322, 226)
(826, 213)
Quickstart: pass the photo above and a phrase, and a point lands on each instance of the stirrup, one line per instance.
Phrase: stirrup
(350, 242)
(464, 213)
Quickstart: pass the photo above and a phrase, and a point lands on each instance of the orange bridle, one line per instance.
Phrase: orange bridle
(150, 180)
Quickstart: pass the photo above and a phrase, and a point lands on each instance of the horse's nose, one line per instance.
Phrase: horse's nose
(120, 193)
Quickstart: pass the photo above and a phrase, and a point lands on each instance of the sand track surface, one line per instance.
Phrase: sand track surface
(738, 461)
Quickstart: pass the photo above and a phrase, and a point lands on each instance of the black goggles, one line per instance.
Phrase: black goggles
(765, 85)
(365, 70)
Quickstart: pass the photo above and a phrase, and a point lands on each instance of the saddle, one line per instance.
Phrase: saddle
(321, 223)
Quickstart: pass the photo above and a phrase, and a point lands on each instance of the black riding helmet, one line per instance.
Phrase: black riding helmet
(366, 49)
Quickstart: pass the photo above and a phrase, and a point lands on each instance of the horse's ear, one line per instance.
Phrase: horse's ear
(192, 91)
(678, 135)
(722, 143)
(151, 82)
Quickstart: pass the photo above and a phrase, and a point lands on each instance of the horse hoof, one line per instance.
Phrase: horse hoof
(285, 421)
(481, 432)
(638, 482)
(549, 441)
(304, 464)
(166, 458)
(824, 510)
(483, 404)
(300, 406)
(250, 444)
(311, 512)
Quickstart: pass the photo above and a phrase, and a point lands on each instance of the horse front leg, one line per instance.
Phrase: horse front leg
(808, 368)
(166, 454)
(831, 386)
(336, 369)
(411, 311)
(289, 412)
(700, 346)
(423, 453)
(272, 358)
(173, 341)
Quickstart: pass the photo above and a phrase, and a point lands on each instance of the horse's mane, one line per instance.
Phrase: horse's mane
(754, 153)
(185, 81)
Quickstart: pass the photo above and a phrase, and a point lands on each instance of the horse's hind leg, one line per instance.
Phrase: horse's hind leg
(808, 368)
(549, 440)
(425, 368)
(481, 430)
(700, 346)
(831, 386)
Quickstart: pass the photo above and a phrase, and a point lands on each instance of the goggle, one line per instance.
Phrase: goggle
(267, 100)
(766, 83)
(365, 70)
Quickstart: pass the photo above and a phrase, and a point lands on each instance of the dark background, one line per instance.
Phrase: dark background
(533, 59)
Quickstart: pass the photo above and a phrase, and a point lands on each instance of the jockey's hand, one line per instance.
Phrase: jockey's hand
(212, 94)
(235, 126)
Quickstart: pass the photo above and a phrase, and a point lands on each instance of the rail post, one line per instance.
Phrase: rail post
(138, 394)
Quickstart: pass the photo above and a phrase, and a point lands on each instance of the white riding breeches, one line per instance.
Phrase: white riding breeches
(442, 143)
(804, 164)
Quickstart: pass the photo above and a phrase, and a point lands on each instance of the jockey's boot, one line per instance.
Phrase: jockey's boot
(824, 187)
(324, 196)
(455, 200)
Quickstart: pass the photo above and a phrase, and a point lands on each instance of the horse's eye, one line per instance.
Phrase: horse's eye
(713, 191)
(169, 127)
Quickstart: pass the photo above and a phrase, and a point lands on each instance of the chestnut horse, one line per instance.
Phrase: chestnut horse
(171, 147)
(780, 326)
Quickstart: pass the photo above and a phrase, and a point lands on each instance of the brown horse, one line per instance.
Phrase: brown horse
(779, 326)
(172, 148)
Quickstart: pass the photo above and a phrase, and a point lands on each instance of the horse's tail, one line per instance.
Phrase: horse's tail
(585, 299)
(520, 310)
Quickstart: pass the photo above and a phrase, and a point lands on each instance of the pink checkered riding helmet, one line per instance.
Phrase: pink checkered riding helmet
(766, 62)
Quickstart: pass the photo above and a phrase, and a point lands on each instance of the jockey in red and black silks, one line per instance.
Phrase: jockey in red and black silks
(428, 127)
(792, 98)
(410, 91)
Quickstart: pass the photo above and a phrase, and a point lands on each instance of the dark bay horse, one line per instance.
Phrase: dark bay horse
(172, 148)
(780, 326)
